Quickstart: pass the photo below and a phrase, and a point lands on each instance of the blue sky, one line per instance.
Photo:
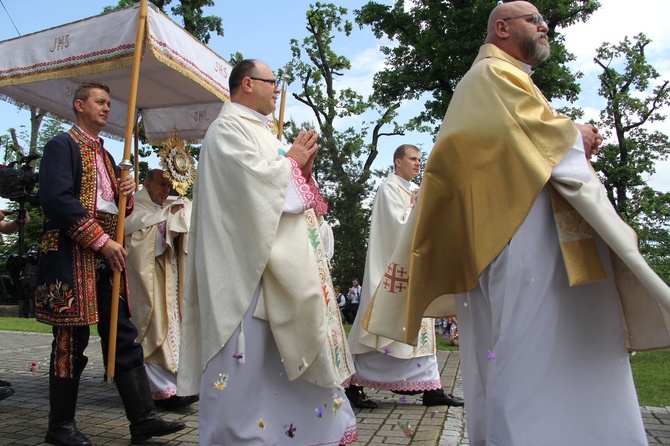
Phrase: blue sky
(262, 29)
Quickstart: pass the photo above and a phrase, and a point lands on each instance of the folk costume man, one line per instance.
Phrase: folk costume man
(383, 363)
(262, 340)
(79, 192)
(156, 239)
(550, 287)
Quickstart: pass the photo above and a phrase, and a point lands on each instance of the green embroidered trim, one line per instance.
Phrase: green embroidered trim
(424, 338)
(340, 358)
(314, 238)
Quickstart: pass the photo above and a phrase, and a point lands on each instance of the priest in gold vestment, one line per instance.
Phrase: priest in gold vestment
(156, 237)
(515, 235)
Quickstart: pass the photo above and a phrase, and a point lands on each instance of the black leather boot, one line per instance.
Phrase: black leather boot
(176, 402)
(440, 398)
(357, 398)
(133, 386)
(5, 392)
(62, 429)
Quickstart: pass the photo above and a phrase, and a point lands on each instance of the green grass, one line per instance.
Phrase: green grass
(444, 344)
(30, 325)
(650, 369)
(650, 372)
(23, 324)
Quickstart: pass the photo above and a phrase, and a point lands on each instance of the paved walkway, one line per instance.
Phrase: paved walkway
(23, 416)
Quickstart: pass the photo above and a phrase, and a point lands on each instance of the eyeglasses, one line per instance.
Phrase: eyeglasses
(273, 82)
(536, 19)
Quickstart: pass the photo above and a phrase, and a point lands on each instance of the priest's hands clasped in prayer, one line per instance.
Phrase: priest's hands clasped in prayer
(113, 252)
(303, 150)
(591, 138)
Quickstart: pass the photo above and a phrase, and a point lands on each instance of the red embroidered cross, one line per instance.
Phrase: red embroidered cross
(395, 278)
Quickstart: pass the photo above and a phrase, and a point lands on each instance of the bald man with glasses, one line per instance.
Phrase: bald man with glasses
(262, 340)
(514, 233)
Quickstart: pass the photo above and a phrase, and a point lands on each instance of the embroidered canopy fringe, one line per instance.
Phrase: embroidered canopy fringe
(181, 78)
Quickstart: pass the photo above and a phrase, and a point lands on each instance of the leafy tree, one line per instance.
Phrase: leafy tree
(436, 41)
(191, 13)
(343, 164)
(234, 58)
(13, 149)
(635, 96)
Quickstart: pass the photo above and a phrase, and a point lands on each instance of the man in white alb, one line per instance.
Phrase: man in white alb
(514, 233)
(382, 363)
(262, 340)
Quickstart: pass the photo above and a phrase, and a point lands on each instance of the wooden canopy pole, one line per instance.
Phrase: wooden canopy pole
(125, 165)
(137, 151)
(282, 105)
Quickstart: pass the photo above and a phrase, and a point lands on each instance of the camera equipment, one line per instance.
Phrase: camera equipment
(18, 184)
(23, 271)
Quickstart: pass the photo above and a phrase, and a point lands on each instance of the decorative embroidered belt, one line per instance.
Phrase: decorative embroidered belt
(108, 223)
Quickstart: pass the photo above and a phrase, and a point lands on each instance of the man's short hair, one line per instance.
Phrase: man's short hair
(83, 91)
(151, 175)
(242, 69)
(402, 150)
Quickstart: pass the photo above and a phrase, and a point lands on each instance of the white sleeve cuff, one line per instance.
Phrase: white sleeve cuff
(574, 164)
(293, 203)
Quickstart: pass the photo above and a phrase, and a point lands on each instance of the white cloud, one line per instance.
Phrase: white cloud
(614, 21)
(364, 64)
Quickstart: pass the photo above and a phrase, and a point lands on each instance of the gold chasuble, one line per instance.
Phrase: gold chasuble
(156, 282)
(481, 180)
(497, 147)
(495, 151)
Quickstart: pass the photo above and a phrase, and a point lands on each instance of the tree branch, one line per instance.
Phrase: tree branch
(376, 135)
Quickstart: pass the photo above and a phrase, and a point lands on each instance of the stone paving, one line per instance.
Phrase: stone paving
(23, 416)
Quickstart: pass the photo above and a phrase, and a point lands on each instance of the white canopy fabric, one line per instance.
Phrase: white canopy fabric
(182, 83)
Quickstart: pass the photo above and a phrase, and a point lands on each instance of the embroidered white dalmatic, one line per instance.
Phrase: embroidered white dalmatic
(262, 339)
(380, 362)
